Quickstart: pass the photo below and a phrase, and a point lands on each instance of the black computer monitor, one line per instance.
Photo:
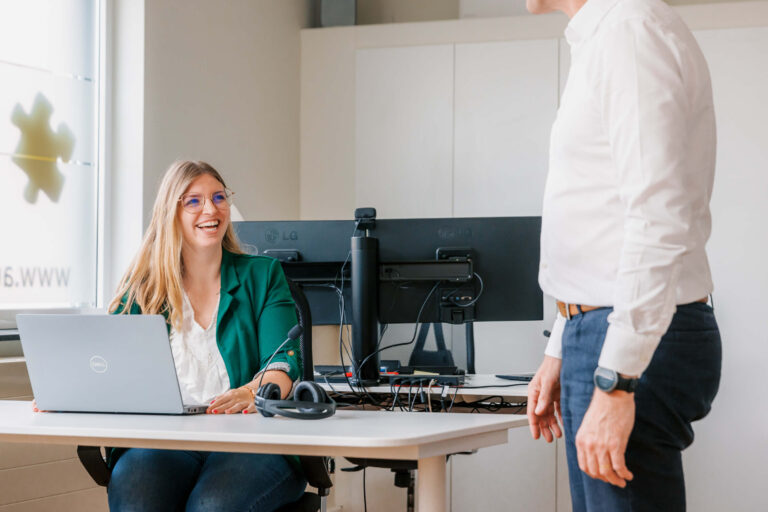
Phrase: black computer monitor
(312, 254)
(453, 270)
(504, 252)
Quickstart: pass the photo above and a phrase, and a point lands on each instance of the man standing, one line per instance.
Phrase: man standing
(634, 355)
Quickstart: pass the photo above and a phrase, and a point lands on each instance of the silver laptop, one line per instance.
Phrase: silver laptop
(102, 363)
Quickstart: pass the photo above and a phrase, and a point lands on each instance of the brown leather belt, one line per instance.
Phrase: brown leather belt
(571, 310)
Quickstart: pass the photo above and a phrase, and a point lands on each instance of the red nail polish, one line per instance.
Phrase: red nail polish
(245, 411)
(215, 411)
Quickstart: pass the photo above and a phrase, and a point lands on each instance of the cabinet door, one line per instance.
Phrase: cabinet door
(404, 131)
(506, 101)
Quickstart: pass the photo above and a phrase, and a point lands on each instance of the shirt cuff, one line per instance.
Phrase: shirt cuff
(555, 343)
(626, 351)
(283, 367)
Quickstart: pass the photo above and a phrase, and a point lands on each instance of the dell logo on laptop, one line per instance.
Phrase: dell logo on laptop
(98, 364)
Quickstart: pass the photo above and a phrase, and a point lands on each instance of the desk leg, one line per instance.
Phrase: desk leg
(430, 490)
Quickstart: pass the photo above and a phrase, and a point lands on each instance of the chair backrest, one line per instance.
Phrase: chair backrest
(316, 469)
(305, 321)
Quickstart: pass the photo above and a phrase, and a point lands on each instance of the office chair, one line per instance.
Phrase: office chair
(316, 469)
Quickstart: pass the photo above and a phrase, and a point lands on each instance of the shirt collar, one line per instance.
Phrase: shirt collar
(586, 20)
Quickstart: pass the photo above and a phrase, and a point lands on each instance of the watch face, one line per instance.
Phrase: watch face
(606, 379)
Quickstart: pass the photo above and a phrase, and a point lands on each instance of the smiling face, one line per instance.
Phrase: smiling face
(206, 227)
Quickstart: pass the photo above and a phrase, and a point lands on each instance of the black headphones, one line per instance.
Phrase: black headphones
(310, 402)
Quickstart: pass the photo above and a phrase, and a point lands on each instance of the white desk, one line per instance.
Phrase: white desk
(427, 438)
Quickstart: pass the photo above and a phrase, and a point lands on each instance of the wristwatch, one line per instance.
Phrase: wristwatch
(609, 380)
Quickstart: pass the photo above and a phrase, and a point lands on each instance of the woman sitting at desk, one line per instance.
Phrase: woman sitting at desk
(227, 313)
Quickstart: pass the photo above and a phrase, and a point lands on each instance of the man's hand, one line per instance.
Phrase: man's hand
(602, 438)
(544, 400)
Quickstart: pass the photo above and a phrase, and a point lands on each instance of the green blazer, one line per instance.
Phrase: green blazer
(256, 312)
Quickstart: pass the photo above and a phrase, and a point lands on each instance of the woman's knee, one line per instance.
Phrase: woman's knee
(246, 482)
(145, 479)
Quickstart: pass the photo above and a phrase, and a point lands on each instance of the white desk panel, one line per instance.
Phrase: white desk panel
(382, 434)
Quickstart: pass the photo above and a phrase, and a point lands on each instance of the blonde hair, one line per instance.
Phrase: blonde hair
(153, 280)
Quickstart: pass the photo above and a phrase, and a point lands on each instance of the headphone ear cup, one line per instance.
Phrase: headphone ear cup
(308, 391)
(269, 391)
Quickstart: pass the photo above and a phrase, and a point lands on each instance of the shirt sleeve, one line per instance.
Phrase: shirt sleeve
(645, 114)
(555, 343)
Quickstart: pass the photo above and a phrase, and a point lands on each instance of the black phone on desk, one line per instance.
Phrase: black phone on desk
(519, 377)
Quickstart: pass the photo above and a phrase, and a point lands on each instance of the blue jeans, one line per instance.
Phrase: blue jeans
(175, 480)
(677, 388)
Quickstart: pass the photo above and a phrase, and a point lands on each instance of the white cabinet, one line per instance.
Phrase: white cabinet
(463, 130)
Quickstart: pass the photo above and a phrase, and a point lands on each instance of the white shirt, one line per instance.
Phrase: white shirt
(199, 365)
(632, 156)
(200, 368)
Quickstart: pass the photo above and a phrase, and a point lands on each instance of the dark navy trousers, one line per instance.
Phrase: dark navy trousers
(179, 480)
(677, 389)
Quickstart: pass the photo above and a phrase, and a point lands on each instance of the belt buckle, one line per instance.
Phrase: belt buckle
(567, 311)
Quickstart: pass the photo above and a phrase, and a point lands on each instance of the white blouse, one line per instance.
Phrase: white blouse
(199, 365)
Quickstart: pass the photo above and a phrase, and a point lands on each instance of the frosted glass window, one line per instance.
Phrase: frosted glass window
(49, 112)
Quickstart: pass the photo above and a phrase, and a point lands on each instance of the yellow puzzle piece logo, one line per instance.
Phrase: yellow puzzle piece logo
(40, 148)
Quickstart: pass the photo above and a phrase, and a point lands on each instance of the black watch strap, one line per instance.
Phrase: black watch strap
(628, 385)
(609, 380)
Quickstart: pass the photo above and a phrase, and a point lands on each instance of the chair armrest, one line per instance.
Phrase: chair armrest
(94, 463)
(317, 471)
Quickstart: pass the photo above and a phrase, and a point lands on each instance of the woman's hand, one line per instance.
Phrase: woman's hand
(241, 399)
(233, 401)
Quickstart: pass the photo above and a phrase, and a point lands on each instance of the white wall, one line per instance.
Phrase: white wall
(724, 466)
(123, 222)
(402, 11)
(406, 11)
(216, 81)
(221, 84)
